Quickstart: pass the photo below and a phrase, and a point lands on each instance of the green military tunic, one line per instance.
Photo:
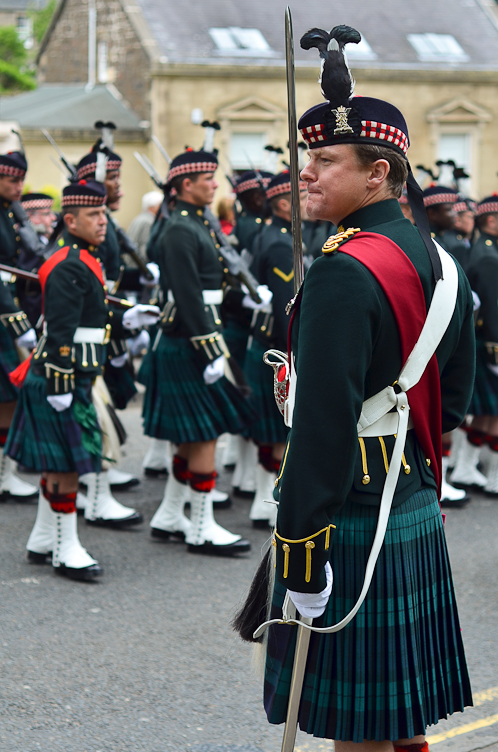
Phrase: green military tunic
(482, 272)
(454, 242)
(315, 234)
(347, 349)
(247, 227)
(179, 405)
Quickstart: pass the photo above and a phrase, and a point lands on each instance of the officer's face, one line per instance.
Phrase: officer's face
(442, 216)
(464, 221)
(338, 184)
(200, 191)
(114, 192)
(11, 188)
(42, 220)
(89, 223)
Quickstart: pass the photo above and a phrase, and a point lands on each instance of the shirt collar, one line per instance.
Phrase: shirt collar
(374, 214)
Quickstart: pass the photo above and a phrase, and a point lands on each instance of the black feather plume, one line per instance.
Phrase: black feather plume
(336, 80)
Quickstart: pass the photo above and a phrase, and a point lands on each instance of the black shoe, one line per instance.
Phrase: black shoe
(86, 574)
(152, 472)
(125, 486)
(156, 532)
(4, 495)
(225, 504)
(243, 494)
(134, 519)
(36, 558)
(457, 504)
(210, 549)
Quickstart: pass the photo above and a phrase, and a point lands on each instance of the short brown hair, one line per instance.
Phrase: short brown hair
(366, 154)
(482, 220)
(177, 183)
(74, 210)
(275, 200)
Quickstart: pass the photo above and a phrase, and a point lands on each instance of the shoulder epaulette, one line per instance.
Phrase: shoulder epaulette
(333, 243)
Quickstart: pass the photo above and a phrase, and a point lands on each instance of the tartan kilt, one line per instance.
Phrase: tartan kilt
(399, 666)
(179, 406)
(47, 441)
(269, 427)
(485, 395)
(9, 359)
(236, 336)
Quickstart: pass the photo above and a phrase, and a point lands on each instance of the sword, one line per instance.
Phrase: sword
(297, 240)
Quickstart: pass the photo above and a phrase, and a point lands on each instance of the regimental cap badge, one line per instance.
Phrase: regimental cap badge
(341, 121)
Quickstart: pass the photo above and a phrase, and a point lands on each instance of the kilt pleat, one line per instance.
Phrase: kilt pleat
(269, 427)
(180, 406)
(47, 441)
(485, 395)
(236, 336)
(9, 360)
(399, 666)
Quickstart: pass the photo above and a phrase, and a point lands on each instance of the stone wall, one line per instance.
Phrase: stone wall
(65, 57)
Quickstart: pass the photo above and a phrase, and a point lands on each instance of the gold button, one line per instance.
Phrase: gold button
(217, 245)
(217, 322)
(407, 469)
(263, 328)
(203, 341)
(206, 222)
(95, 363)
(220, 258)
(91, 247)
(18, 238)
(489, 242)
(433, 234)
(226, 271)
(199, 212)
(44, 354)
(283, 229)
(365, 480)
(10, 215)
(258, 220)
(428, 462)
(184, 213)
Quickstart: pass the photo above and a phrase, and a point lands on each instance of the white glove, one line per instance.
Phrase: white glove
(28, 340)
(477, 301)
(60, 402)
(264, 293)
(139, 343)
(312, 605)
(214, 370)
(154, 270)
(493, 368)
(119, 360)
(140, 315)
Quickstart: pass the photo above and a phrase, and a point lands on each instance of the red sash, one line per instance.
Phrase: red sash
(401, 284)
(18, 375)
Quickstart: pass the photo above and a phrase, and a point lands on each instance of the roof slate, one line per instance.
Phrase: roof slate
(181, 28)
(67, 107)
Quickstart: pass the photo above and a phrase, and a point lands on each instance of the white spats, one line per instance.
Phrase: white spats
(158, 458)
(10, 484)
(68, 551)
(119, 478)
(262, 512)
(169, 517)
(491, 486)
(244, 476)
(448, 492)
(204, 529)
(466, 472)
(42, 538)
(102, 508)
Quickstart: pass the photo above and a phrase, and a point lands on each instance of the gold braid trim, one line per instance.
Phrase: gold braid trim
(309, 545)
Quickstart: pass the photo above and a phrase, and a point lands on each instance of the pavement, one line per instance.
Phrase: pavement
(144, 660)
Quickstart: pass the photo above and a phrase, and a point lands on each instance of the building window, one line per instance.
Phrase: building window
(235, 41)
(247, 150)
(442, 48)
(457, 147)
(360, 51)
(24, 29)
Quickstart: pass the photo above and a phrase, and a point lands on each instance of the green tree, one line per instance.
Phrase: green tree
(41, 19)
(12, 50)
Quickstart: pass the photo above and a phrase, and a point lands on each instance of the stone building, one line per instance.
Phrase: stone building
(176, 63)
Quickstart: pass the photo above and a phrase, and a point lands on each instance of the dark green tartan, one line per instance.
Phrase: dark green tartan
(485, 395)
(179, 405)
(269, 428)
(399, 666)
(9, 359)
(236, 336)
(47, 441)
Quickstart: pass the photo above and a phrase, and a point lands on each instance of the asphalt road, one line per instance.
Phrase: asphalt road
(145, 660)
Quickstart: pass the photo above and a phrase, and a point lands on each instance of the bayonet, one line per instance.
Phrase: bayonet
(73, 174)
(161, 149)
(297, 240)
(149, 169)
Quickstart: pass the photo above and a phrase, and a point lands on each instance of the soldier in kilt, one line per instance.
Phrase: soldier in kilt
(55, 430)
(189, 400)
(15, 327)
(272, 266)
(399, 665)
(482, 272)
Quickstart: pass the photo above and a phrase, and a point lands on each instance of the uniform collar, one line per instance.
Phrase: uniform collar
(374, 214)
(281, 224)
(191, 210)
(74, 242)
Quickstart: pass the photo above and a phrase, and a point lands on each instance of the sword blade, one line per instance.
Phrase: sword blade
(296, 686)
(297, 240)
